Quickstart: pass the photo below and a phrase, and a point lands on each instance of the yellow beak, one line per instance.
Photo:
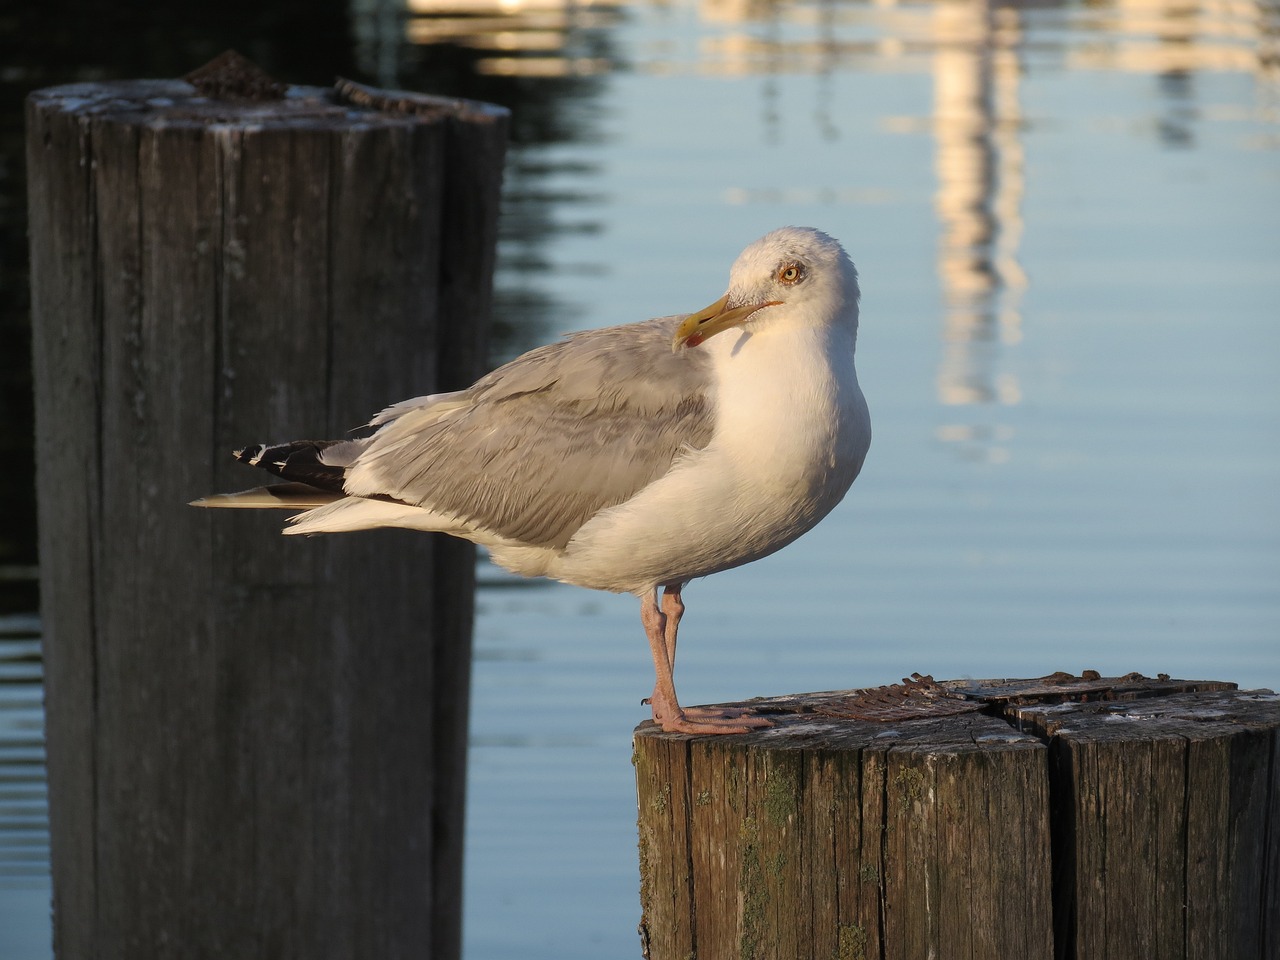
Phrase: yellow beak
(711, 320)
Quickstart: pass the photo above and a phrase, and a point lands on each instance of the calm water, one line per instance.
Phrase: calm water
(1067, 221)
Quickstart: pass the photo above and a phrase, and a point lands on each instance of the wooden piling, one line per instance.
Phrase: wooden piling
(1068, 818)
(256, 743)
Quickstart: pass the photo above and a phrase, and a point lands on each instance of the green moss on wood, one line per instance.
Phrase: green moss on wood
(851, 942)
(646, 877)
(778, 866)
(659, 802)
(754, 897)
(780, 797)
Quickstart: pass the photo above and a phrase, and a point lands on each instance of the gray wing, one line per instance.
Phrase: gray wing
(536, 448)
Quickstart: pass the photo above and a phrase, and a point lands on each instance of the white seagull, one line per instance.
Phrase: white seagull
(630, 459)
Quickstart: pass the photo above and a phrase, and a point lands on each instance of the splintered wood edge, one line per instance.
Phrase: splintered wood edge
(408, 102)
(921, 698)
(201, 101)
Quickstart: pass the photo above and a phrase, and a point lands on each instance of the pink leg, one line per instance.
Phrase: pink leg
(660, 626)
(673, 608)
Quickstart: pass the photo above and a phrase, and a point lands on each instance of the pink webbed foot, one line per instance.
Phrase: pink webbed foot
(661, 625)
(677, 719)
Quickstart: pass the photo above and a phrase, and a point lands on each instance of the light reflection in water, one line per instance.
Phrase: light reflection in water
(978, 158)
(518, 38)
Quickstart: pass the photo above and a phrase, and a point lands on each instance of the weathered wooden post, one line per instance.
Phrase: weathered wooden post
(256, 745)
(1075, 818)
(1167, 823)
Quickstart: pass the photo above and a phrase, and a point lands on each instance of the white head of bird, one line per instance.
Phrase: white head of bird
(797, 267)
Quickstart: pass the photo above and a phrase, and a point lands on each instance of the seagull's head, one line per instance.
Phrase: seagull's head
(797, 267)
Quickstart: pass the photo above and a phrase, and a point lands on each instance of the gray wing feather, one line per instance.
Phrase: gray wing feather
(536, 448)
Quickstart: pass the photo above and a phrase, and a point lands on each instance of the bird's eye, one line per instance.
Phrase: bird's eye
(791, 273)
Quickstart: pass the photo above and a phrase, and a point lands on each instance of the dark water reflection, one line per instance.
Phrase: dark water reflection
(24, 840)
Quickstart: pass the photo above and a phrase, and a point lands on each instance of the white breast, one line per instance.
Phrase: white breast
(792, 431)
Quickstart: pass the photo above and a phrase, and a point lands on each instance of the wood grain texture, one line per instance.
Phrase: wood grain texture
(844, 839)
(62, 232)
(243, 728)
(1071, 817)
(1171, 807)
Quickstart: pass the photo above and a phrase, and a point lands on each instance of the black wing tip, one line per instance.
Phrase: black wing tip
(300, 460)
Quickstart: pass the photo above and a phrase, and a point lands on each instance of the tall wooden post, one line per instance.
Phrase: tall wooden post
(256, 743)
(1067, 818)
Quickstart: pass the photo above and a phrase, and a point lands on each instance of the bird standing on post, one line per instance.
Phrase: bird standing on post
(631, 459)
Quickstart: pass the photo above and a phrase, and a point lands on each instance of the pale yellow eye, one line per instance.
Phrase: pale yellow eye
(791, 273)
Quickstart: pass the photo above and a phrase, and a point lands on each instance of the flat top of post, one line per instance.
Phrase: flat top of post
(263, 104)
(1003, 714)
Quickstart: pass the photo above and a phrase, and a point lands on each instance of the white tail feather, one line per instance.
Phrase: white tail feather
(356, 513)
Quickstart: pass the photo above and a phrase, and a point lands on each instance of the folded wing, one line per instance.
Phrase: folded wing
(536, 448)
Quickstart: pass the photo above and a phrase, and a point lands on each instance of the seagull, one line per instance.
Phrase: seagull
(632, 458)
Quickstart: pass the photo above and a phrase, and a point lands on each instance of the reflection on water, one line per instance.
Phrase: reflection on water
(979, 163)
(24, 826)
(537, 39)
(1177, 37)
(527, 38)
(540, 58)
